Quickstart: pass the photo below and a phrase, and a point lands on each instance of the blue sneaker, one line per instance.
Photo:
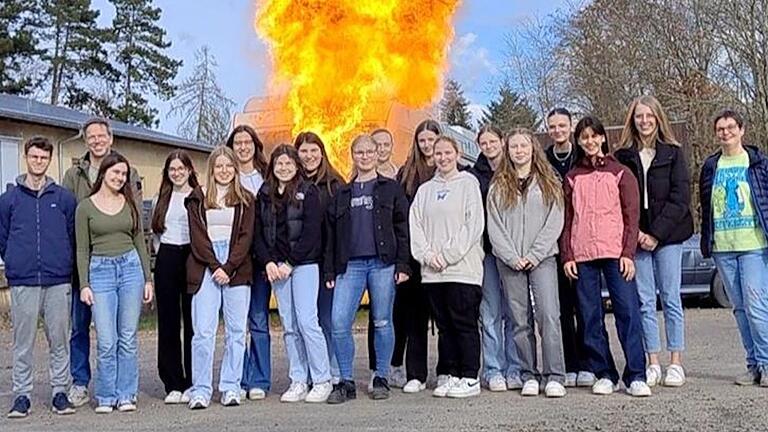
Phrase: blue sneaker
(61, 404)
(21, 407)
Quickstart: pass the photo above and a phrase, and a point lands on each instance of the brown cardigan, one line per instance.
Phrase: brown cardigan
(239, 265)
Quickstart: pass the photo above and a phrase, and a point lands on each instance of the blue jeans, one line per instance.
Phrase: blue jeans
(234, 302)
(324, 307)
(499, 350)
(661, 270)
(118, 289)
(304, 341)
(744, 277)
(626, 311)
(80, 340)
(257, 371)
(379, 279)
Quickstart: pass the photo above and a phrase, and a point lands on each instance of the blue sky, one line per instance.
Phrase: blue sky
(226, 27)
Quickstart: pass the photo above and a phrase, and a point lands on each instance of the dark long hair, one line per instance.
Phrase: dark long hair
(273, 183)
(126, 190)
(325, 172)
(597, 127)
(259, 160)
(166, 188)
(416, 170)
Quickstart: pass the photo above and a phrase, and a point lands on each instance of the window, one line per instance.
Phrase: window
(9, 160)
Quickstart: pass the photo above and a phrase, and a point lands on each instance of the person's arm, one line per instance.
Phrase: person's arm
(200, 245)
(471, 230)
(629, 195)
(70, 207)
(5, 222)
(548, 235)
(141, 247)
(400, 225)
(566, 252)
(69, 180)
(421, 249)
(501, 239)
(260, 247)
(311, 231)
(329, 254)
(241, 250)
(83, 241)
(677, 204)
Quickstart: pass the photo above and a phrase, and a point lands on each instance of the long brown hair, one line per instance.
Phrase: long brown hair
(505, 180)
(236, 194)
(112, 159)
(631, 136)
(166, 188)
(272, 181)
(325, 172)
(259, 160)
(416, 169)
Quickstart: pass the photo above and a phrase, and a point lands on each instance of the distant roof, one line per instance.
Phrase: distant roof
(31, 111)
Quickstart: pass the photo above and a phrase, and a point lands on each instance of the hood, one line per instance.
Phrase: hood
(460, 176)
(22, 179)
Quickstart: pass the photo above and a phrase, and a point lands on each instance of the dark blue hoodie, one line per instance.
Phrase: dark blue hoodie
(37, 234)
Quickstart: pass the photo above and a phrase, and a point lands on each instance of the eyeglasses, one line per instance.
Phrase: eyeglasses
(361, 153)
(733, 127)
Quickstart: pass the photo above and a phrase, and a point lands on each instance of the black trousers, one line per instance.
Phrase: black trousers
(456, 309)
(174, 305)
(571, 323)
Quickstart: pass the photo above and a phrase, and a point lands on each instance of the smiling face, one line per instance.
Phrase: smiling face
(591, 142)
(178, 173)
(364, 155)
(384, 146)
(645, 121)
(115, 177)
(445, 156)
(223, 170)
(559, 128)
(98, 139)
(520, 150)
(728, 132)
(426, 142)
(38, 161)
(244, 147)
(285, 168)
(490, 145)
(311, 156)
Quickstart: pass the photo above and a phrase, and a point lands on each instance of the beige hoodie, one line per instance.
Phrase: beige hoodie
(447, 218)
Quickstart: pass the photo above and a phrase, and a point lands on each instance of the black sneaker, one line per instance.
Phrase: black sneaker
(21, 407)
(61, 404)
(380, 389)
(342, 392)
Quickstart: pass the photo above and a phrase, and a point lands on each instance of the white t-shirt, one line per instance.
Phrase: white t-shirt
(176, 221)
(220, 220)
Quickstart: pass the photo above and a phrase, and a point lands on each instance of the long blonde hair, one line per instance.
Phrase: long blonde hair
(505, 180)
(236, 195)
(631, 136)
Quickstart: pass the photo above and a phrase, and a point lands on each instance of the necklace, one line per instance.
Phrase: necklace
(564, 158)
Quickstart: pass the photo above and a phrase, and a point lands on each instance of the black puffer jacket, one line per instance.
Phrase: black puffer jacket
(484, 173)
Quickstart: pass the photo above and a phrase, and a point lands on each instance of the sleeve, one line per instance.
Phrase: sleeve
(547, 236)
(501, 239)
(629, 194)
(566, 252)
(241, 250)
(329, 254)
(5, 222)
(200, 244)
(260, 248)
(311, 232)
(70, 210)
(471, 230)
(83, 241)
(678, 203)
(400, 225)
(69, 180)
(420, 247)
(140, 244)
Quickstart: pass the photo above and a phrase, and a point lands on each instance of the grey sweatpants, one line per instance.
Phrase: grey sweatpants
(533, 296)
(27, 304)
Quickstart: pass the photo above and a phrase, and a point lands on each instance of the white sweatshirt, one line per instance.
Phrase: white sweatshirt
(447, 218)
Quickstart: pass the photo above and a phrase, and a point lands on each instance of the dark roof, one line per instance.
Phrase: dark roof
(28, 110)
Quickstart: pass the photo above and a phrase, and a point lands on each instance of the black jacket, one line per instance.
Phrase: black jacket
(304, 219)
(484, 173)
(569, 163)
(391, 222)
(668, 217)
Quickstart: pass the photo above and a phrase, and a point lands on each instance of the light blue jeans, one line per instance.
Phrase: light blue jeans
(234, 301)
(118, 289)
(661, 270)
(744, 277)
(379, 279)
(304, 341)
(499, 350)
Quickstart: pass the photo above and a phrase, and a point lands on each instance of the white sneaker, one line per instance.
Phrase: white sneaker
(497, 383)
(78, 395)
(186, 396)
(414, 386)
(174, 397)
(530, 388)
(639, 389)
(103, 409)
(256, 394)
(230, 398)
(570, 379)
(319, 392)
(295, 393)
(126, 406)
(604, 386)
(675, 376)
(653, 375)
(198, 402)
(514, 382)
(397, 377)
(464, 388)
(448, 383)
(554, 390)
(585, 379)
(370, 382)
(442, 379)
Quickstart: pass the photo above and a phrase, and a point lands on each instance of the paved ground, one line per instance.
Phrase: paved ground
(709, 402)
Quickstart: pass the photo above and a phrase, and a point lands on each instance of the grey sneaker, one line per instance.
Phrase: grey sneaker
(764, 377)
(514, 382)
(750, 377)
(78, 395)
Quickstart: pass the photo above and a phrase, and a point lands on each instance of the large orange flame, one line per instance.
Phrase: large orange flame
(334, 56)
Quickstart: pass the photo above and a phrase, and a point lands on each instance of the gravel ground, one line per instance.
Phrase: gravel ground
(709, 402)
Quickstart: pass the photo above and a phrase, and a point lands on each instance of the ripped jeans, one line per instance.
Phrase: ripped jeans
(379, 279)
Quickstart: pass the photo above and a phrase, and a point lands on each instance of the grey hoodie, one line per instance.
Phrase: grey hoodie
(447, 218)
(528, 230)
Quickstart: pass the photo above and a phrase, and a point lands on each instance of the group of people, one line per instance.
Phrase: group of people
(520, 243)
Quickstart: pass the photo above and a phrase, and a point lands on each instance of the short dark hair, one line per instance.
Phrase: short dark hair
(591, 122)
(560, 111)
(93, 121)
(729, 113)
(38, 142)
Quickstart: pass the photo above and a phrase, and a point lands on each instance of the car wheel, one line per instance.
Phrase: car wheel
(718, 293)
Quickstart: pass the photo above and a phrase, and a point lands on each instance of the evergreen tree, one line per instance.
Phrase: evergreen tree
(510, 111)
(18, 45)
(141, 59)
(204, 109)
(454, 106)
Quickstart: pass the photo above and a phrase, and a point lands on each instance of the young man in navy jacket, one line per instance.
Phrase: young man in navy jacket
(37, 237)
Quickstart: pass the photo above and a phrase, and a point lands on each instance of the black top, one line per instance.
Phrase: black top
(561, 162)
(282, 244)
(362, 242)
